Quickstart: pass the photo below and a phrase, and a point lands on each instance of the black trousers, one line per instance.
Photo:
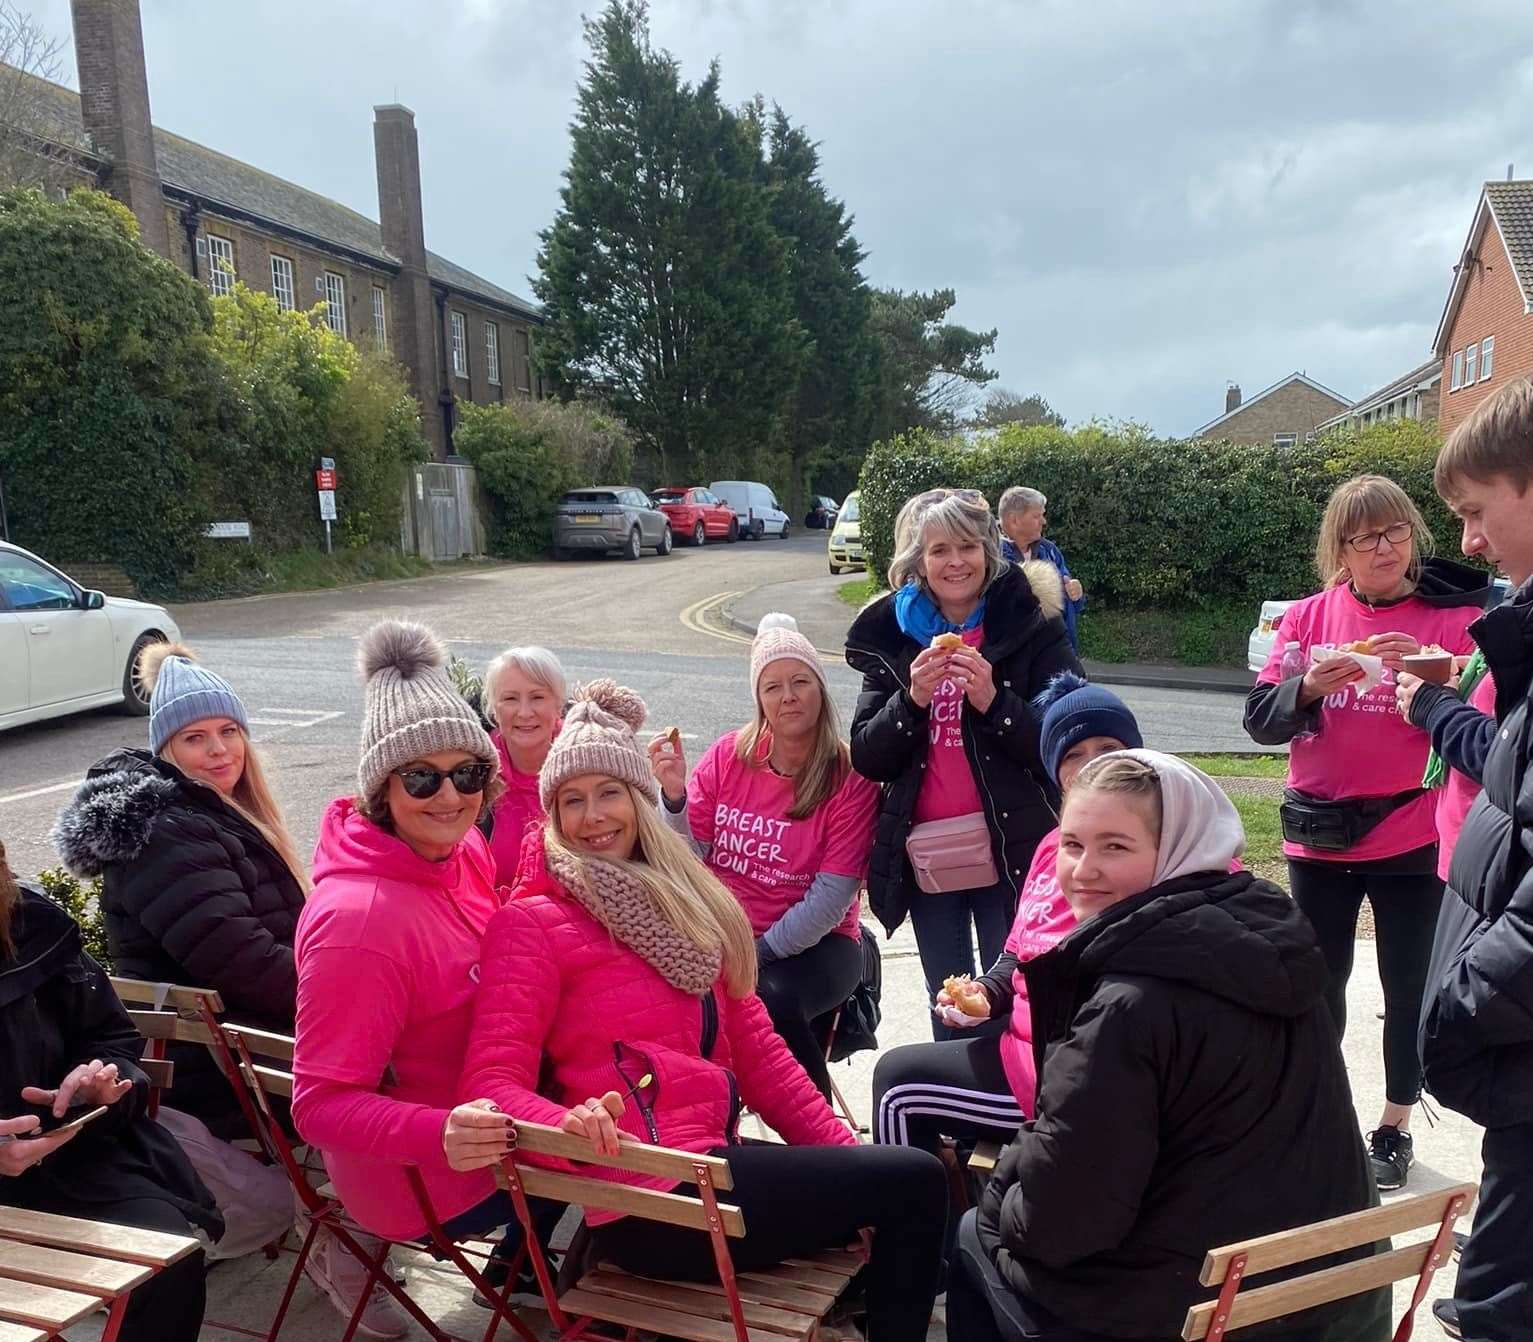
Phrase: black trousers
(1405, 909)
(169, 1306)
(1495, 1272)
(800, 1200)
(802, 987)
(946, 926)
(925, 1092)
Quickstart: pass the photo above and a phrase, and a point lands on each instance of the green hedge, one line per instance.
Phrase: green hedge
(1152, 522)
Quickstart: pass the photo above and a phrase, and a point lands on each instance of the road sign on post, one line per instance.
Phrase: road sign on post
(324, 483)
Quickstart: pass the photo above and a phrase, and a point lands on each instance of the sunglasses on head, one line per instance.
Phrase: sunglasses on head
(421, 780)
(967, 495)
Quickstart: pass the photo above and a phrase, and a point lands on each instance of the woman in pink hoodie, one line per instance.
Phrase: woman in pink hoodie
(622, 973)
(388, 956)
(523, 695)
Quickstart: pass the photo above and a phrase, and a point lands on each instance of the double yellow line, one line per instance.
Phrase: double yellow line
(707, 617)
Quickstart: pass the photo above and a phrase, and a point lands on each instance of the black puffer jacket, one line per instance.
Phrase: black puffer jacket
(192, 895)
(1026, 646)
(1191, 1093)
(56, 1011)
(1477, 1020)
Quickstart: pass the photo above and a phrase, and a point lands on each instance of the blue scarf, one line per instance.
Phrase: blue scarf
(920, 619)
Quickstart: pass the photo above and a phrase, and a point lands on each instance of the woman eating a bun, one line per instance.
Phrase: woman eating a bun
(950, 659)
(1356, 821)
(617, 1001)
(780, 818)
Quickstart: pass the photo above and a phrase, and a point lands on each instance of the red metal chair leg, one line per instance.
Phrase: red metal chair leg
(1233, 1276)
(721, 1256)
(1437, 1255)
(115, 1317)
(534, 1250)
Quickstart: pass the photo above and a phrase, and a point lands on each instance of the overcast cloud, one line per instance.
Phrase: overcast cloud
(1147, 199)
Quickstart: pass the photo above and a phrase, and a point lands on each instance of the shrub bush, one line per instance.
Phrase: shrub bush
(527, 453)
(1157, 522)
(81, 900)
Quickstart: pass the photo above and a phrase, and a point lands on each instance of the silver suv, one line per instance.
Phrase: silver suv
(608, 518)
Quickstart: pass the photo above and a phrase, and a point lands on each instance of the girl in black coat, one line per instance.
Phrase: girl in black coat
(1191, 1088)
(949, 732)
(200, 885)
(65, 1039)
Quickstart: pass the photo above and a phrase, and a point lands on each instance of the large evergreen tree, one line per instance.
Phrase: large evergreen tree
(666, 287)
(929, 367)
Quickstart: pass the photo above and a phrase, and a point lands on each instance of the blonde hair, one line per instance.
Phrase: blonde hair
(1122, 776)
(1497, 439)
(687, 895)
(962, 514)
(1356, 504)
(252, 799)
(829, 761)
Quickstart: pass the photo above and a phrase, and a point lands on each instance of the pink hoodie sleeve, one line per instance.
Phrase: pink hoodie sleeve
(773, 1083)
(518, 995)
(352, 1004)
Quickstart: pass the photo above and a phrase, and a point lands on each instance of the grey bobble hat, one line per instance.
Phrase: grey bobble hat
(182, 692)
(412, 707)
(598, 738)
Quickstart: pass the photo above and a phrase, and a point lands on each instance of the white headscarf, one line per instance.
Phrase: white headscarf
(1200, 828)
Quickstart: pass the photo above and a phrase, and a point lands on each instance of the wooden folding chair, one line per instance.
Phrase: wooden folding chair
(787, 1301)
(1228, 1268)
(256, 1055)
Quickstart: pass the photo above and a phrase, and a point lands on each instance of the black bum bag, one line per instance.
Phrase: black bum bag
(1335, 826)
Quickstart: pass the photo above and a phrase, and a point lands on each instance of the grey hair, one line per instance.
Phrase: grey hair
(963, 516)
(537, 664)
(1018, 499)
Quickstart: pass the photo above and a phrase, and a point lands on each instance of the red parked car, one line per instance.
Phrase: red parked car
(696, 515)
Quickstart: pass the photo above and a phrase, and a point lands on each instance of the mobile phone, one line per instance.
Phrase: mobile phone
(51, 1124)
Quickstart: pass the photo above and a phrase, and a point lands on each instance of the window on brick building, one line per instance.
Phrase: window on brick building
(1284, 439)
(1487, 352)
(1471, 365)
(335, 302)
(492, 353)
(522, 353)
(220, 265)
(1458, 370)
(380, 317)
(282, 283)
(459, 345)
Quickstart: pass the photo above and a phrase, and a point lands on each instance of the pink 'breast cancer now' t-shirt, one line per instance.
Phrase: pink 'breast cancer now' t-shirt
(948, 788)
(1364, 748)
(767, 859)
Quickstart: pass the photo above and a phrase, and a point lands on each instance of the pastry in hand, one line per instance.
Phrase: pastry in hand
(948, 642)
(967, 995)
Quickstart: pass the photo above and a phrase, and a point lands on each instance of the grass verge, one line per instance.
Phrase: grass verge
(1264, 838)
(858, 592)
(237, 570)
(1240, 766)
(1213, 635)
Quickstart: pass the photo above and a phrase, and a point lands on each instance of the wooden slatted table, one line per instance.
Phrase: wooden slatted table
(56, 1270)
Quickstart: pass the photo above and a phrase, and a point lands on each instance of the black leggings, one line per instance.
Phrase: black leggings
(800, 1200)
(813, 983)
(1404, 920)
(925, 1092)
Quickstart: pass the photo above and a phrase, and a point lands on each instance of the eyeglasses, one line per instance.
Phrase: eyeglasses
(1368, 541)
(422, 781)
(967, 495)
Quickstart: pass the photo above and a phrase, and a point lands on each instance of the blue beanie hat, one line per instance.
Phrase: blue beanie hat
(1073, 710)
(182, 692)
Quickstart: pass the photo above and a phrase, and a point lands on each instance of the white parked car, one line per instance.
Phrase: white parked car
(755, 506)
(64, 648)
(1259, 645)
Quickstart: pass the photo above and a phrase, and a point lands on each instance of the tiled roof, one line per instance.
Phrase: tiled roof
(1512, 203)
(1267, 391)
(218, 179)
(1430, 371)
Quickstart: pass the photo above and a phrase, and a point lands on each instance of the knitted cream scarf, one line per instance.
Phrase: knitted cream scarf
(621, 903)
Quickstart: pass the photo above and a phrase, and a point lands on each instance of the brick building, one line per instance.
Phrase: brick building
(1485, 337)
(1416, 395)
(1285, 413)
(458, 336)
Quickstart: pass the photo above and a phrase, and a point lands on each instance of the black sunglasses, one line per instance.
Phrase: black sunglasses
(422, 781)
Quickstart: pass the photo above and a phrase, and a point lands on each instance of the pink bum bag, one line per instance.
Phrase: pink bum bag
(948, 855)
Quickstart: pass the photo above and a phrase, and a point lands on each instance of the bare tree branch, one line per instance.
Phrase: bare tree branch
(31, 131)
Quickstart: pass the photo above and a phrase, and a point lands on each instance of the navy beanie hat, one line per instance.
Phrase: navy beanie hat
(1073, 710)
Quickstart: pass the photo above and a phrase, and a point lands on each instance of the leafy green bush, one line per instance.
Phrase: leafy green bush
(82, 901)
(527, 453)
(109, 388)
(1150, 522)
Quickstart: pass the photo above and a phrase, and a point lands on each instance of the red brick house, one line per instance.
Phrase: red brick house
(1485, 337)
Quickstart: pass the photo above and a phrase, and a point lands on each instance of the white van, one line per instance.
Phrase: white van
(756, 507)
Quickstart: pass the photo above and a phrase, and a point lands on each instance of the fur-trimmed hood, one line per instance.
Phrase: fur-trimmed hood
(114, 811)
(1047, 585)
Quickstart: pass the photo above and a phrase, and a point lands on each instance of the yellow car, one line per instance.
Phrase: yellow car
(846, 536)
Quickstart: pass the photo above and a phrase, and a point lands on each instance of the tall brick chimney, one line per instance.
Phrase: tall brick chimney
(1231, 397)
(404, 234)
(114, 104)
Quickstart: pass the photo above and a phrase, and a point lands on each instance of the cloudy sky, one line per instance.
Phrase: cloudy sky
(1147, 199)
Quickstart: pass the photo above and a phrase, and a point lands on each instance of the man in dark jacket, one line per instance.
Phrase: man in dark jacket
(1477, 1021)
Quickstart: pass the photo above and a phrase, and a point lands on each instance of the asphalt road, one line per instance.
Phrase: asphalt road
(652, 624)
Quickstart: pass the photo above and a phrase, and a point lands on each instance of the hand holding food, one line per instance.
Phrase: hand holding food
(965, 994)
(1393, 648)
(927, 672)
(948, 642)
(668, 762)
(974, 675)
(1326, 677)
